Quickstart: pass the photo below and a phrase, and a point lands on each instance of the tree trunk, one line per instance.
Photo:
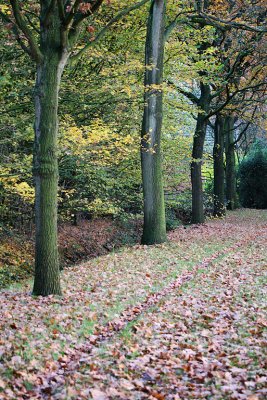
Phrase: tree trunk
(154, 230)
(231, 195)
(197, 154)
(48, 79)
(218, 199)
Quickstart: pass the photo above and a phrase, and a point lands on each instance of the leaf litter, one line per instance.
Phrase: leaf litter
(183, 320)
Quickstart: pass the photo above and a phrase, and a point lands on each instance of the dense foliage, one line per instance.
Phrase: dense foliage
(253, 178)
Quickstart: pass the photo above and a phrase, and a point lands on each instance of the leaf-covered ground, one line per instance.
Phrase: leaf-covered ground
(183, 320)
(89, 239)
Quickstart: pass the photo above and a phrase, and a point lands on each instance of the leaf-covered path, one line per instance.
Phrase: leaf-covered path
(183, 320)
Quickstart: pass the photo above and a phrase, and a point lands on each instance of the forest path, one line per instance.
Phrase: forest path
(177, 321)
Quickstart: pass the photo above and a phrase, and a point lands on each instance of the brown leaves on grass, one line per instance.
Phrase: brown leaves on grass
(185, 320)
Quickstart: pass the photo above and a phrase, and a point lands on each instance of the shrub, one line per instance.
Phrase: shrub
(252, 176)
(172, 222)
(178, 209)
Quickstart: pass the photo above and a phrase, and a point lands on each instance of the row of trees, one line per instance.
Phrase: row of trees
(226, 85)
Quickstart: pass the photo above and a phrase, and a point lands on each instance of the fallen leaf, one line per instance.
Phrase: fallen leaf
(98, 394)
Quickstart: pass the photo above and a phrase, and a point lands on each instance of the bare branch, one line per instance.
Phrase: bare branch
(232, 24)
(245, 128)
(232, 95)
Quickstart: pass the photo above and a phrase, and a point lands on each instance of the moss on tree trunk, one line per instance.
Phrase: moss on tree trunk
(198, 216)
(231, 193)
(154, 229)
(48, 78)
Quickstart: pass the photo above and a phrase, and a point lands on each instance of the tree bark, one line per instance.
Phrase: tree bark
(154, 229)
(218, 167)
(197, 154)
(231, 194)
(48, 79)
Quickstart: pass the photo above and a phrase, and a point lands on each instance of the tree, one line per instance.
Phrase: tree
(245, 78)
(230, 163)
(197, 154)
(219, 209)
(154, 230)
(50, 46)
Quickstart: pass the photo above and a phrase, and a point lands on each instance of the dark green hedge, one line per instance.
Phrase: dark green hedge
(253, 179)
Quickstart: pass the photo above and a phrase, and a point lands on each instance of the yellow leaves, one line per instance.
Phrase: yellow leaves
(124, 74)
(5, 9)
(25, 191)
(127, 90)
(13, 185)
(99, 208)
(98, 142)
(220, 6)
(153, 88)
(72, 140)
(15, 254)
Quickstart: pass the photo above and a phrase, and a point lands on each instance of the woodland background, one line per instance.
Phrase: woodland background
(100, 113)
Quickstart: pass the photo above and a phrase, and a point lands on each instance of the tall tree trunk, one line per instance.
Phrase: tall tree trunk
(231, 194)
(218, 166)
(154, 230)
(197, 154)
(48, 79)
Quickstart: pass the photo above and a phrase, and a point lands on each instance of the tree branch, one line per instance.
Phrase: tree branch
(16, 32)
(109, 24)
(95, 6)
(230, 23)
(173, 24)
(22, 25)
(72, 13)
(50, 11)
(32, 24)
(231, 96)
(61, 11)
(217, 93)
(245, 128)
(185, 93)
